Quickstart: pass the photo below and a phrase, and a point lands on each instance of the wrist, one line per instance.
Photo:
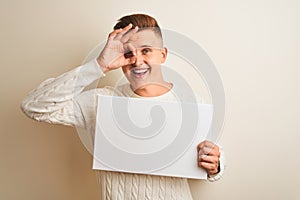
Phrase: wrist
(104, 68)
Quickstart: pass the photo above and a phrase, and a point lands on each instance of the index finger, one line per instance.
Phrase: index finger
(125, 37)
(209, 151)
(123, 31)
(206, 143)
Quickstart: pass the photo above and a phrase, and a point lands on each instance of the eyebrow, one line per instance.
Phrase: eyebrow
(150, 46)
(146, 45)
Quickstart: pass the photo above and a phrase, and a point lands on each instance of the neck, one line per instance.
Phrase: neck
(154, 89)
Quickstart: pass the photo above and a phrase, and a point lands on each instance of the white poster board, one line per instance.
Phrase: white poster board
(148, 136)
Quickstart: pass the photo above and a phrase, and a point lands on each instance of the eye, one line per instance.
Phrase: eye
(128, 54)
(146, 50)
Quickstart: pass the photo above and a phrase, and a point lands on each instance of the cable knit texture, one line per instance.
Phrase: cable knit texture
(66, 100)
(121, 186)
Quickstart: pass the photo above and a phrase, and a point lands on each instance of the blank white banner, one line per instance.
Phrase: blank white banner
(148, 136)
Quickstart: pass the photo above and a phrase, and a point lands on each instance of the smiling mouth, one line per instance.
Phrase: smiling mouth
(140, 72)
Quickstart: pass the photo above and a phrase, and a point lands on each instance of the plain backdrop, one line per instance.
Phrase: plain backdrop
(254, 44)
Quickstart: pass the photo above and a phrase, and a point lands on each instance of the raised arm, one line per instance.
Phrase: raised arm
(53, 100)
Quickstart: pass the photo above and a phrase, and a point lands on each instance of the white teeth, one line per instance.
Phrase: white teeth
(140, 71)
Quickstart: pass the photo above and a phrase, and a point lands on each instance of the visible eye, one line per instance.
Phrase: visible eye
(128, 54)
(146, 50)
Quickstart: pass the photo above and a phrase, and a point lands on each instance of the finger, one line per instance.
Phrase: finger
(209, 152)
(209, 159)
(128, 61)
(118, 62)
(113, 34)
(206, 143)
(124, 30)
(205, 151)
(209, 148)
(129, 50)
(129, 34)
(210, 168)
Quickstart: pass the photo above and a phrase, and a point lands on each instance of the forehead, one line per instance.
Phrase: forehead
(145, 38)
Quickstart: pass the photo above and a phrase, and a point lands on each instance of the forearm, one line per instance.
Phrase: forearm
(53, 100)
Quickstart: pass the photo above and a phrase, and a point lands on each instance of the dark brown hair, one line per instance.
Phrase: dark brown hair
(143, 21)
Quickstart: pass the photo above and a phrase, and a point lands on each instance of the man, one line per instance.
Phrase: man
(136, 46)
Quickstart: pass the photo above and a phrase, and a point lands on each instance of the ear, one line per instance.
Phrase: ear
(164, 53)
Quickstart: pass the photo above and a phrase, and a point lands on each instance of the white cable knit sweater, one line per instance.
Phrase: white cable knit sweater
(62, 100)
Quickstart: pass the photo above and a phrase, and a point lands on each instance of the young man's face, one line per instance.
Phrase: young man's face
(149, 55)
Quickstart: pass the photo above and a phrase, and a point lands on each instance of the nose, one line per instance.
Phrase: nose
(138, 59)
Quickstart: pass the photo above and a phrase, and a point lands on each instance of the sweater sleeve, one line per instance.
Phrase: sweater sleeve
(53, 100)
